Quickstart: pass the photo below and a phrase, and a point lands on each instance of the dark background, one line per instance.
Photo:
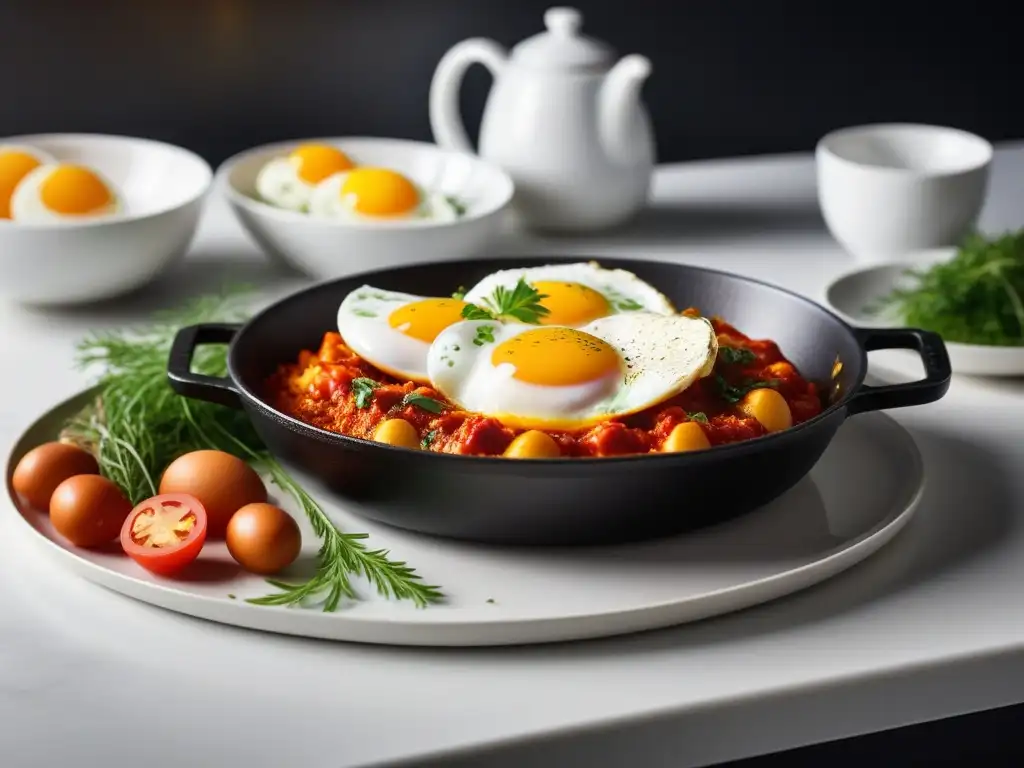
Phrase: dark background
(731, 77)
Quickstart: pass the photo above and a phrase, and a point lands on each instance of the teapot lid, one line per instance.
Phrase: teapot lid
(562, 47)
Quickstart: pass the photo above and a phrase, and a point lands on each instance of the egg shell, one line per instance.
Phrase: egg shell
(223, 483)
(88, 510)
(263, 538)
(45, 467)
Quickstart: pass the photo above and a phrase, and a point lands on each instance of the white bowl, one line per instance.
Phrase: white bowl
(75, 261)
(328, 248)
(851, 296)
(889, 189)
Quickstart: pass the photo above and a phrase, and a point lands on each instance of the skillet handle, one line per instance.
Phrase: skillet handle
(213, 389)
(937, 370)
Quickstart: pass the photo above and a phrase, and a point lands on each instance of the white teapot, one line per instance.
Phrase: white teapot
(564, 121)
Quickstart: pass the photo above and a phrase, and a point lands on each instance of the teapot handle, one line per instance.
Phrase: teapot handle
(445, 120)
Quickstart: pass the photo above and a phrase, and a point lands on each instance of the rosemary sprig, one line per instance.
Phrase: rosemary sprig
(522, 303)
(137, 425)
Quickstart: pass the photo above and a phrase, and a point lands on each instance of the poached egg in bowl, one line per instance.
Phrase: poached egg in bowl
(288, 182)
(60, 191)
(16, 162)
(377, 194)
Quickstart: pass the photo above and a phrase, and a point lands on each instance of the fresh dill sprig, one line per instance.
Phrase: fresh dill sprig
(522, 303)
(977, 297)
(137, 425)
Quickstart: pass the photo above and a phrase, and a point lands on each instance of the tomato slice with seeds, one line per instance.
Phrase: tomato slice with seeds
(165, 533)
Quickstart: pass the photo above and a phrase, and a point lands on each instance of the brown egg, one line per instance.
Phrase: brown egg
(223, 484)
(263, 538)
(88, 510)
(45, 467)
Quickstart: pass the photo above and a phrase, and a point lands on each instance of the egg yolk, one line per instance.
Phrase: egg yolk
(315, 162)
(571, 303)
(72, 190)
(425, 319)
(14, 166)
(557, 357)
(380, 192)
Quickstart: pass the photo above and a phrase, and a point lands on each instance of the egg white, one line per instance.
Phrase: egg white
(363, 324)
(27, 201)
(279, 184)
(326, 201)
(660, 355)
(44, 158)
(624, 291)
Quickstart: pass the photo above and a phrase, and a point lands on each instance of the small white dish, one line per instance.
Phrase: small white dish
(889, 189)
(852, 295)
(77, 261)
(329, 248)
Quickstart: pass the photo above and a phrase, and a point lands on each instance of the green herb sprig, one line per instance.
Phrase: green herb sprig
(733, 393)
(422, 402)
(362, 391)
(137, 425)
(522, 303)
(977, 297)
(736, 355)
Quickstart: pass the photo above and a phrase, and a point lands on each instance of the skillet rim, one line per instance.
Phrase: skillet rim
(706, 454)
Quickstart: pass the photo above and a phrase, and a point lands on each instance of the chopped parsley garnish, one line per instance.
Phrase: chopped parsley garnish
(423, 402)
(698, 416)
(736, 355)
(456, 204)
(733, 393)
(522, 303)
(484, 335)
(363, 313)
(362, 390)
(459, 294)
(428, 439)
(628, 305)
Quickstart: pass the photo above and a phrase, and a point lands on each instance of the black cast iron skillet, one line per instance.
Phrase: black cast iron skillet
(560, 501)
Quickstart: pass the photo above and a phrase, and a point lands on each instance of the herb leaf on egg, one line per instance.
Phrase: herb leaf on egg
(362, 391)
(522, 303)
(628, 305)
(484, 335)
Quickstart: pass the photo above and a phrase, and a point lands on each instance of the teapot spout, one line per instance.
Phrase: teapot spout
(619, 114)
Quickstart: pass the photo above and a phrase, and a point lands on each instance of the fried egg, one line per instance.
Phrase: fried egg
(60, 191)
(16, 162)
(394, 331)
(557, 377)
(576, 294)
(288, 182)
(377, 194)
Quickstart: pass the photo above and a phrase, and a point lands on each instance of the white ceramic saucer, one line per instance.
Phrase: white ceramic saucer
(852, 295)
(856, 499)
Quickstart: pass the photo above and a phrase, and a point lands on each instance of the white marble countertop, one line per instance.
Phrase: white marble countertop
(933, 626)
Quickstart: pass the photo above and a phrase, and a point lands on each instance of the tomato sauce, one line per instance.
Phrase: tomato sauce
(318, 389)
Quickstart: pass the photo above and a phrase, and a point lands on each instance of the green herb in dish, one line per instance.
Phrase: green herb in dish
(362, 391)
(736, 355)
(423, 402)
(977, 297)
(137, 425)
(522, 304)
(733, 393)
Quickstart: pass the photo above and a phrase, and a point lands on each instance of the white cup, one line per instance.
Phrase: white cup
(887, 190)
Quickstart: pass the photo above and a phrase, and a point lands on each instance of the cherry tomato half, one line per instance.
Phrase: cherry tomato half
(165, 533)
